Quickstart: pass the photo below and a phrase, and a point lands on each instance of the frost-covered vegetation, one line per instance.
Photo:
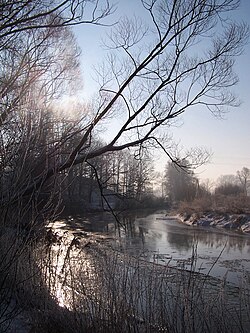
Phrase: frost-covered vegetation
(224, 205)
(217, 210)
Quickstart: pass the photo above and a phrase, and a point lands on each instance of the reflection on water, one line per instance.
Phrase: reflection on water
(67, 262)
(156, 237)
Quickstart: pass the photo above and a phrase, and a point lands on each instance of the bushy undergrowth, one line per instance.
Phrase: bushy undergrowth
(80, 285)
(222, 204)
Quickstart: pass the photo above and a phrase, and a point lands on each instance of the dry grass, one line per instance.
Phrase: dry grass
(222, 204)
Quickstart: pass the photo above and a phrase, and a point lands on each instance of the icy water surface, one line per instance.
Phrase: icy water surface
(158, 238)
(155, 237)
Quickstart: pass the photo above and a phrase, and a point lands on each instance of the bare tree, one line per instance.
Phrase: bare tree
(37, 67)
(19, 16)
(150, 85)
(227, 179)
(228, 185)
(244, 178)
(180, 184)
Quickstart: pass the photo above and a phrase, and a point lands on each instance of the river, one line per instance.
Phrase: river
(222, 253)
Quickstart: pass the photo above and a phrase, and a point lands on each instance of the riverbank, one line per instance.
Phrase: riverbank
(237, 222)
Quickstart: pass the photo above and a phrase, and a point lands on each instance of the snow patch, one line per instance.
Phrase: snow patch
(238, 222)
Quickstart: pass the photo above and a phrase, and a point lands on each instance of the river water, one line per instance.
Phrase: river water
(155, 237)
(89, 276)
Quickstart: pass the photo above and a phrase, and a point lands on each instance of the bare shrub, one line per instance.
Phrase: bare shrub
(198, 206)
(231, 204)
(221, 204)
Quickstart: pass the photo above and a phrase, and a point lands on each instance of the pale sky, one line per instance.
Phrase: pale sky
(228, 139)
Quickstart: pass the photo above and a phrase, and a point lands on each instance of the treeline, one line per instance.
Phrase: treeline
(117, 180)
(185, 191)
(123, 179)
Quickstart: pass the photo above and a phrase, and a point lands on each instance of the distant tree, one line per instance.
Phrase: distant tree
(180, 182)
(228, 185)
(205, 188)
(228, 189)
(121, 172)
(244, 178)
(227, 179)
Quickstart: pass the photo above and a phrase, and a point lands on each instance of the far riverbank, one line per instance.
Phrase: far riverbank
(236, 222)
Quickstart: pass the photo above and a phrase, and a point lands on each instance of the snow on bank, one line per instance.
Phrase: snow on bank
(238, 222)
